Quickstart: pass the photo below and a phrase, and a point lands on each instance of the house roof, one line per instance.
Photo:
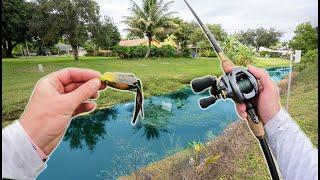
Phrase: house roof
(135, 42)
(66, 47)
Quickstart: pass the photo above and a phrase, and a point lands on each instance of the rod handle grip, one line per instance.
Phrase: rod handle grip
(257, 129)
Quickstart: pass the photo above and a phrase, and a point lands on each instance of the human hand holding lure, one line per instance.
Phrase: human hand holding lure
(126, 82)
(237, 84)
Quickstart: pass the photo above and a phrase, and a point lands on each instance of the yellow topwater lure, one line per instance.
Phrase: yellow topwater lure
(126, 82)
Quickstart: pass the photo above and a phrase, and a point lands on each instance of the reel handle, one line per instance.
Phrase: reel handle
(200, 84)
(205, 102)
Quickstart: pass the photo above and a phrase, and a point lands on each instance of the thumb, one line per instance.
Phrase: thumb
(261, 74)
(84, 92)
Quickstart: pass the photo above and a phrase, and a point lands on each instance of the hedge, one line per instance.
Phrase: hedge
(140, 51)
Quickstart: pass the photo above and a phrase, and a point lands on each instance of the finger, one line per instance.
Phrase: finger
(227, 66)
(84, 92)
(241, 109)
(84, 107)
(95, 96)
(70, 75)
(103, 86)
(71, 87)
(261, 75)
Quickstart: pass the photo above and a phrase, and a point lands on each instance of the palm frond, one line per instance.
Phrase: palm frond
(151, 18)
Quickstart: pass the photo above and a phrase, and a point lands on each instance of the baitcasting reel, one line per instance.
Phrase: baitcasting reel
(239, 85)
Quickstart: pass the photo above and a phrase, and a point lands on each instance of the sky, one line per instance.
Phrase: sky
(233, 15)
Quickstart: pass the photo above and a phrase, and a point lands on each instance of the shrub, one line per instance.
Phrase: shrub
(275, 54)
(184, 52)
(207, 53)
(311, 56)
(238, 53)
(54, 50)
(264, 53)
(121, 51)
(167, 51)
(89, 47)
(140, 51)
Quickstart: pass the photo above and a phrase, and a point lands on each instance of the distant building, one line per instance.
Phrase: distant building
(67, 49)
(285, 52)
(139, 42)
(170, 41)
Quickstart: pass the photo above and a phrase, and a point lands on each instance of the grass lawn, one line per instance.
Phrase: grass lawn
(19, 75)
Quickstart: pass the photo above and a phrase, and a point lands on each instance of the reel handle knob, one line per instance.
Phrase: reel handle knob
(205, 102)
(200, 84)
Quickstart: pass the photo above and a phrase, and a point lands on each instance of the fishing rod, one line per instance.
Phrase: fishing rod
(239, 85)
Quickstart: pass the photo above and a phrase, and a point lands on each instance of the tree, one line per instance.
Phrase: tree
(43, 26)
(247, 37)
(75, 19)
(107, 34)
(199, 38)
(150, 19)
(306, 38)
(14, 27)
(183, 34)
(259, 37)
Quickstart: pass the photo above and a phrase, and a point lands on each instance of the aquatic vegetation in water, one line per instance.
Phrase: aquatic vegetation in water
(210, 135)
(129, 162)
(154, 122)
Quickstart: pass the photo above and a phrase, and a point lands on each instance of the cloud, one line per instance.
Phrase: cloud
(233, 15)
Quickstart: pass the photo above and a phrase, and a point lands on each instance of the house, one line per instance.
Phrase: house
(139, 42)
(170, 41)
(284, 52)
(67, 49)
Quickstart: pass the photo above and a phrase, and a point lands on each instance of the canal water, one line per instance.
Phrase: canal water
(104, 145)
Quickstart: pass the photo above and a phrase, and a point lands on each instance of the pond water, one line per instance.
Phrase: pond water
(104, 145)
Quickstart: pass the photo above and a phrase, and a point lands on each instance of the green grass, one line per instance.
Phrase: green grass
(270, 62)
(158, 76)
(303, 101)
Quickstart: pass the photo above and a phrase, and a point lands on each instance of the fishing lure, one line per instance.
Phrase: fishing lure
(126, 82)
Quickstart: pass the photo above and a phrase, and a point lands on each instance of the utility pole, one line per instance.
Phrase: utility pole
(289, 86)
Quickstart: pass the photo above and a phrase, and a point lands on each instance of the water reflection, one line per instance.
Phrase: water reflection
(89, 129)
(154, 122)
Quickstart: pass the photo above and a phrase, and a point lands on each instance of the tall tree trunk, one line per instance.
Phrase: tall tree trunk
(4, 50)
(27, 50)
(8, 47)
(75, 52)
(149, 47)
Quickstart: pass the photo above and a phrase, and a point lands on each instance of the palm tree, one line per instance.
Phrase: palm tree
(150, 19)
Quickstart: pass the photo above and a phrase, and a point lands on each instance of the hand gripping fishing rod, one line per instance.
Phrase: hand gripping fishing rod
(239, 85)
